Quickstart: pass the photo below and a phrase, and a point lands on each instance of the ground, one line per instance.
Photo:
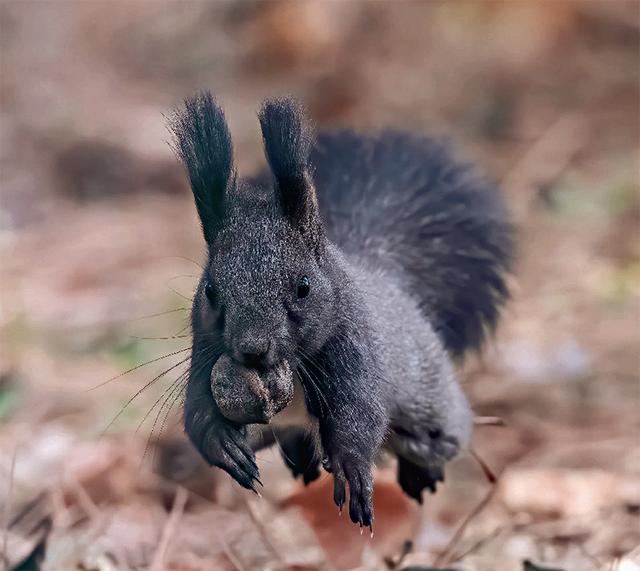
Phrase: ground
(100, 250)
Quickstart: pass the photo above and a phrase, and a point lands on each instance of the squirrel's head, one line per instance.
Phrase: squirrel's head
(265, 295)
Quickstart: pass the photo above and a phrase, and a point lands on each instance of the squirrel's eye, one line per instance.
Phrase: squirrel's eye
(210, 292)
(303, 287)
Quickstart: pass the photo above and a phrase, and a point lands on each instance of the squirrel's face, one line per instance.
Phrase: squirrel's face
(264, 299)
(263, 304)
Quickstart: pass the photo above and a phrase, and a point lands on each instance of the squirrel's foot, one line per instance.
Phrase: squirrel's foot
(413, 479)
(358, 473)
(299, 453)
(442, 445)
(226, 447)
(432, 447)
(421, 459)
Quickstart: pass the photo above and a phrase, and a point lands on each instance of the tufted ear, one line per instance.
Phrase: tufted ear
(203, 143)
(287, 142)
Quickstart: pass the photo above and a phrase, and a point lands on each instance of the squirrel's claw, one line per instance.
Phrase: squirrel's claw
(225, 447)
(360, 490)
(339, 490)
(241, 468)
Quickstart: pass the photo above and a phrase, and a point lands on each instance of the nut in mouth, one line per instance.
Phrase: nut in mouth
(247, 396)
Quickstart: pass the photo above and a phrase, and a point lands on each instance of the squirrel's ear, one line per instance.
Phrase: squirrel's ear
(287, 142)
(203, 144)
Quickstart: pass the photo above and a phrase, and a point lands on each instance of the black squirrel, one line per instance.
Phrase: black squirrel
(342, 283)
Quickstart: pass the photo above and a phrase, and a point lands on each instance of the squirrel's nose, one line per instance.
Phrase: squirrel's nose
(253, 352)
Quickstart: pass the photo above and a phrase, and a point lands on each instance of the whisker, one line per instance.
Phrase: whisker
(139, 392)
(313, 361)
(184, 258)
(160, 313)
(182, 276)
(164, 398)
(161, 397)
(175, 291)
(173, 398)
(187, 326)
(307, 375)
(159, 338)
(175, 391)
(139, 367)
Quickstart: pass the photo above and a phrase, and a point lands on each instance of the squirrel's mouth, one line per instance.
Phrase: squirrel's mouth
(247, 395)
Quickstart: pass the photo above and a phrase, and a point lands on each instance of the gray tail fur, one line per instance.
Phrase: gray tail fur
(404, 204)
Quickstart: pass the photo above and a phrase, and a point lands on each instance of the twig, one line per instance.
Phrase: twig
(546, 160)
(177, 509)
(84, 499)
(489, 421)
(488, 472)
(592, 558)
(231, 556)
(395, 562)
(59, 508)
(478, 544)
(445, 555)
(259, 523)
(7, 512)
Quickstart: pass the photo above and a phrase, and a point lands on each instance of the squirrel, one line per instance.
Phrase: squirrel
(341, 285)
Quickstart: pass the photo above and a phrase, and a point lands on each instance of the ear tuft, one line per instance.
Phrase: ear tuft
(203, 144)
(287, 138)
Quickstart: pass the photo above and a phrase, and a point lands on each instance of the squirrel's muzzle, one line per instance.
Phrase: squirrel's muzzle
(247, 396)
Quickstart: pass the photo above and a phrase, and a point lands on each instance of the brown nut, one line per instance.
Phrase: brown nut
(246, 396)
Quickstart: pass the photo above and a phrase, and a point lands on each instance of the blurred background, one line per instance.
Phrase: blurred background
(100, 251)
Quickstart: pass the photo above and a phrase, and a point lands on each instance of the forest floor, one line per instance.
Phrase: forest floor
(100, 251)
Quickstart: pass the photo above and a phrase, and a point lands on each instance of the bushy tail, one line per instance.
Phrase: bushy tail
(403, 203)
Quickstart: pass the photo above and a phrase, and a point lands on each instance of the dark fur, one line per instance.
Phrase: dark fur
(203, 143)
(406, 252)
(410, 207)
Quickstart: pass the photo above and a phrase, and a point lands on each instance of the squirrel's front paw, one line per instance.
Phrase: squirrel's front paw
(225, 446)
(358, 473)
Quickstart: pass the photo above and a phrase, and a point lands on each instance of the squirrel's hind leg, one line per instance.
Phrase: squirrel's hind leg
(299, 450)
(298, 447)
(413, 479)
(421, 459)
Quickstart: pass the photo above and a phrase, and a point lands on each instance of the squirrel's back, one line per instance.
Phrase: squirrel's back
(405, 205)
